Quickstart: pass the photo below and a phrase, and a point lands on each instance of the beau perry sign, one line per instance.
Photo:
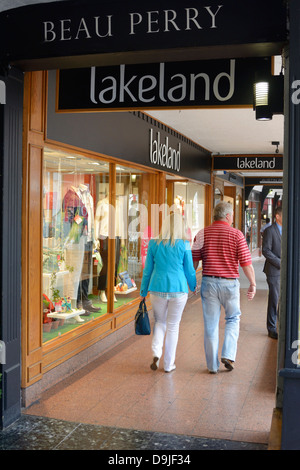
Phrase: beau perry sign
(151, 22)
(89, 28)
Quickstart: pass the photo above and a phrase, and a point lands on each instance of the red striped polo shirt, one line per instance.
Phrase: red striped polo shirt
(221, 248)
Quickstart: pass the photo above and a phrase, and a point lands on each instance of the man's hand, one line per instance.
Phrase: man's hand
(251, 292)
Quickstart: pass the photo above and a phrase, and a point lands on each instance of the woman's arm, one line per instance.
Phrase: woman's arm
(148, 269)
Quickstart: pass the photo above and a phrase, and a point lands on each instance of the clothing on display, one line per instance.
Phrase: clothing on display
(78, 219)
(83, 300)
(102, 233)
(76, 213)
(78, 236)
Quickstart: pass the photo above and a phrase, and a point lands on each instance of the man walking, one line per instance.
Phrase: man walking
(222, 248)
(271, 250)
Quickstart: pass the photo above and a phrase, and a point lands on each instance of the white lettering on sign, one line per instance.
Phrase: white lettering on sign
(149, 22)
(162, 154)
(255, 163)
(149, 88)
(65, 30)
(296, 94)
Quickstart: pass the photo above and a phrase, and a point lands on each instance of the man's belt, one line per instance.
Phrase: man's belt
(220, 277)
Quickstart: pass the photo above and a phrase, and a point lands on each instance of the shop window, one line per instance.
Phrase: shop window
(80, 217)
(218, 196)
(189, 200)
(196, 207)
(251, 215)
(238, 212)
(74, 188)
(133, 230)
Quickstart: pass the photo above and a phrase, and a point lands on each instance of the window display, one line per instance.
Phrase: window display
(189, 200)
(72, 253)
(133, 230)
(77, 226)
(251, 215)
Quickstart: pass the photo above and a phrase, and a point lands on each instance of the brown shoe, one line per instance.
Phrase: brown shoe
(228, 363)
(155, 363)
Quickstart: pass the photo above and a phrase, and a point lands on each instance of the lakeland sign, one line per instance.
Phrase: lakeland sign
(162, 154)
(149, 86)
(249, 162)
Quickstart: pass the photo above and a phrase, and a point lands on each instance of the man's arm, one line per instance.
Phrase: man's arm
(250, 274)
(196, 248)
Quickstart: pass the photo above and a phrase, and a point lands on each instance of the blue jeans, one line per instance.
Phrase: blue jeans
(214, 294)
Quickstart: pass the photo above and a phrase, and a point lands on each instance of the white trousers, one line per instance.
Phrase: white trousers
(74, 258)
(167, 316)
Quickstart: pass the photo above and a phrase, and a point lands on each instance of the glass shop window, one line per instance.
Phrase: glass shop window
(189, 200)
(74, 262)
(132, 232)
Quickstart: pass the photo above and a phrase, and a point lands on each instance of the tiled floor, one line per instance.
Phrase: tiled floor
(39, 433)
(120, 391)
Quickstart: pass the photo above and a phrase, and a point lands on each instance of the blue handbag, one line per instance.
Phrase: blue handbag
(141, 322)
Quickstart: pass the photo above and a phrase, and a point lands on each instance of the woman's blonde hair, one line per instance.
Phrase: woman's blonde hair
(173, 228)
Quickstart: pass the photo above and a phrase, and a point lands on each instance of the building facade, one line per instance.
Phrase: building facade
(116, 157)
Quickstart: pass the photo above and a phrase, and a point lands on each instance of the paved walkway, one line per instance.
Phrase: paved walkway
(120, 391)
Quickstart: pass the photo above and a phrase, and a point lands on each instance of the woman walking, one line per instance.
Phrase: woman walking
(167, 275)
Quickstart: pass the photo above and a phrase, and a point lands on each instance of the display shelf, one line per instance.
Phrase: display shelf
(66, 315)
(125, 292)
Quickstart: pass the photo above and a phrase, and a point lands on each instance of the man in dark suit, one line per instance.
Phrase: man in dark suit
(271, 250)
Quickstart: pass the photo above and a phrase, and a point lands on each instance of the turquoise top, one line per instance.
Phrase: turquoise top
(168, 268)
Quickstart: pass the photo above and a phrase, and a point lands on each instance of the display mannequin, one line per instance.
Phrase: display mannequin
(74, 228)
(101, 234)
(83, 300)
(78, 230)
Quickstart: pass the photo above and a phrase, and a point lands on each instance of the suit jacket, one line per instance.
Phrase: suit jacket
(271, 249)
(168, 268)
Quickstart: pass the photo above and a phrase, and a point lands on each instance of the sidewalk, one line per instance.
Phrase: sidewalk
(128, 406)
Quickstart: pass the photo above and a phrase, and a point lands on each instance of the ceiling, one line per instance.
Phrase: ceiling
(226, 131)
(8, 4)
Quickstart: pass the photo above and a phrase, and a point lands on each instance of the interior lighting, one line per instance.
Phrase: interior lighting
(268, 97)
(261, 101)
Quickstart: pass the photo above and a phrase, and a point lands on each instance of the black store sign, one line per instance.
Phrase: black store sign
(263, 181)
(248, 163)
(169, 85)
(88, 27)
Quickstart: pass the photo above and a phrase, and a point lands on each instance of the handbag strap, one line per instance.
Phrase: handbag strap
(143, 305)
